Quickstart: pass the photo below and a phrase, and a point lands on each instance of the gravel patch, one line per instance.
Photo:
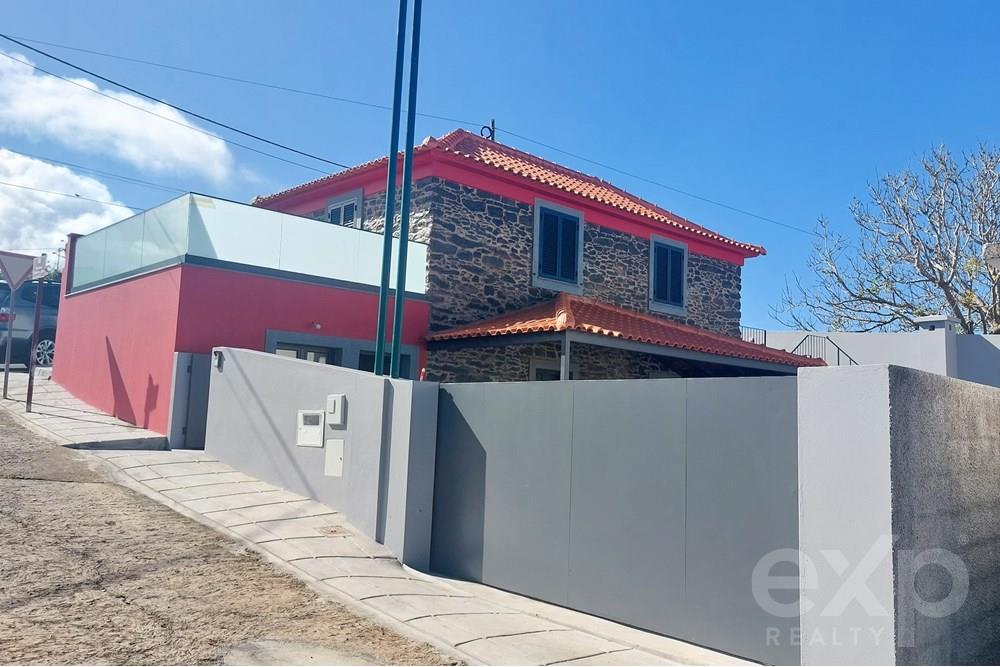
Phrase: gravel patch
(94, 573)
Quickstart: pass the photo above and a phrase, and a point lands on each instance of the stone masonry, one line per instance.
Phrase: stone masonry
(479, 264)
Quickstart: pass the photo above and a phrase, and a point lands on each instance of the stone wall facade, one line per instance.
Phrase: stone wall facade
(479, 264)
(479, 261)
(512, 363)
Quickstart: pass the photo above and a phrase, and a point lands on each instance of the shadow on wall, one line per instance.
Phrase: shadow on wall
(122, 407)
(458, 530)
(253, 411)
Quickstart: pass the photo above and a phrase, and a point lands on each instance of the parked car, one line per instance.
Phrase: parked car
(24, 311)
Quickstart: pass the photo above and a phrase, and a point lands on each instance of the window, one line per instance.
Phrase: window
(345, 210)
(544, 370)
(558, 247)
(366, 362)
(667, 276)
(320, 355)
(50, 294)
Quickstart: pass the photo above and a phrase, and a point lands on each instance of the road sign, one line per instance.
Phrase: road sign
(16, 268)
(40, 267)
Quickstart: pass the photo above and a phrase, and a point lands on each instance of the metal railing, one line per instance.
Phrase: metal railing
(819, 347)
(754, 335)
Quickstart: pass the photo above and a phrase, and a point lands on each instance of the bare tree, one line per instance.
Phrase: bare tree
(918, 251)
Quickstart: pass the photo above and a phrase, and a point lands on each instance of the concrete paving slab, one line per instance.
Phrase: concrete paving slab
(336, 567)
(302, 508)
(364, 588)
(309, 526)
(220, 490)
(188, 481)
(539, 648)
(142, 474)
(189, 468)
(408, 608)
(241, 501)
(160, 484)
(459, 629)
(627, 657)
(315, 547)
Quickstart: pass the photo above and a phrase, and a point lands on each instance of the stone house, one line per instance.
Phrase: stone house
(536, 271)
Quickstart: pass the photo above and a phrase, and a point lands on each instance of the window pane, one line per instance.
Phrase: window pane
(334, 215)
(660, 266)
(366, 361)
(568, 241)
(546, 374)
(286, 352)
(548, 250)
(348, 218)
(316, 355)
(676, 295)
(51, 295)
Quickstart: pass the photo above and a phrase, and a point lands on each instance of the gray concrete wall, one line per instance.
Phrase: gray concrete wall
(386, 487)
(845, 508)
(945, 441)
(975, 358)
(898, 480)
(646, 501)
(188, 401)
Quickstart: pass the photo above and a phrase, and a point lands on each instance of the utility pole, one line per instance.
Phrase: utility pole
(390, 195)
(404, 217)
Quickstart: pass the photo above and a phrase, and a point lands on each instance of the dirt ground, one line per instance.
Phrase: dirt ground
(91, 572)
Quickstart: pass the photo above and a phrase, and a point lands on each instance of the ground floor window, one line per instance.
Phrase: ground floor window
(320, 355)
(544, 370)
(366, 362)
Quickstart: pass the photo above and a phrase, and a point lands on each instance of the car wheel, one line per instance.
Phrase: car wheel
(45, 352)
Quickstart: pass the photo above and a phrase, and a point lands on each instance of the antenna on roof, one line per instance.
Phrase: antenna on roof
(489, 131)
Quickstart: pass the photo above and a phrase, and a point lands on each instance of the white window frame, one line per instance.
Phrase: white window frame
(544, 363)
(660, 306)
(355, 197)
(551, 283)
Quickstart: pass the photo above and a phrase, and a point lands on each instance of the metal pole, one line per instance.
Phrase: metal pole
(34, 342)
(564, 363)
(10, 339)
(404, 213)
(390, 194)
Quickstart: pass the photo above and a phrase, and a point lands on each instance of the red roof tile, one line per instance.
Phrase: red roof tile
(573, 313)
(510, 160)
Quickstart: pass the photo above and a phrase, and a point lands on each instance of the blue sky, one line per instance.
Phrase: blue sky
(784, 109)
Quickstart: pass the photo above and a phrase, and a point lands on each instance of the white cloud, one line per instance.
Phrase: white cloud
(30, 219)
(40, 106)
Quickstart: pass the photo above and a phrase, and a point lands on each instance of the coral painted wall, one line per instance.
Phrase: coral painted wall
(115, 347)
(235, 309)
(115, 344)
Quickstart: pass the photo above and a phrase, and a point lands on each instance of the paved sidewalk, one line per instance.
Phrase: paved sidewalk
(59, 415)
(472, 622)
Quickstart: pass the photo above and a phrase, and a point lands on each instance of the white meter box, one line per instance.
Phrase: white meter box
(309, 429)
(336, 406)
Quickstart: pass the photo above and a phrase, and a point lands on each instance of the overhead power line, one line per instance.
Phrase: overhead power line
(249, 82)
(100, 172)
(160, 116)
(363, 103)
(707, 200)
(151, 98)
(68, 194)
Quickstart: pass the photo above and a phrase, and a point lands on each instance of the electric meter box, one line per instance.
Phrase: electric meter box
(336, 406)
(309, 430)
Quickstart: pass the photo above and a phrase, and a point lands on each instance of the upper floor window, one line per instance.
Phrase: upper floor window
(667, 276)
(345, 210)
(558, 247)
